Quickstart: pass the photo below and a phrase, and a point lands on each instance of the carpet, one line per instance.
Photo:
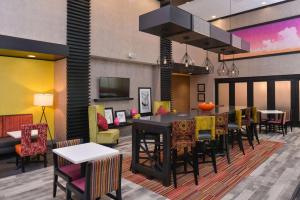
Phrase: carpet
(211, 185)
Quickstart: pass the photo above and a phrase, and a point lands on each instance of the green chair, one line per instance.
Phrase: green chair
(110, 136)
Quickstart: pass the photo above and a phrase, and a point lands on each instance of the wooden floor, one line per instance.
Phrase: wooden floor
(277, 178)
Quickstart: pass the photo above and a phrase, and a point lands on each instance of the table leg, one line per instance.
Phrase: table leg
(167, 158)
(135, 148)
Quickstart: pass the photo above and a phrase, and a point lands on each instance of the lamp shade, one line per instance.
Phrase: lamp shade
(43, 100)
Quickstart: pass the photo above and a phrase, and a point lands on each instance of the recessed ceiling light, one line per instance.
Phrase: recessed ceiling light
(214, 16)
(31, 56)
(263, 3)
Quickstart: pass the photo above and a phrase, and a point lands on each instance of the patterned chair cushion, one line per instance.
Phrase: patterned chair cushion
(183, 135)
(28, 148)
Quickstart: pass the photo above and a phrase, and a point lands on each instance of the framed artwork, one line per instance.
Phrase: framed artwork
(271, 38)
(201, 87)
(109, 116)
(201, 97)
(121, 115)
(145, 101)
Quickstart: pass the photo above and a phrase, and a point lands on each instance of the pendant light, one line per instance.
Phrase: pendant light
(223, 69)
(234, 71)
(186, 59)
(208, 64)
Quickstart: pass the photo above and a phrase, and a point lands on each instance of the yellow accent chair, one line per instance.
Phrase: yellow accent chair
(110, 136)
(205, 136)
(165, 104)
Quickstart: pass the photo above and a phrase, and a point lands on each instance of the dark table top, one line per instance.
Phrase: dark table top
(166, 120)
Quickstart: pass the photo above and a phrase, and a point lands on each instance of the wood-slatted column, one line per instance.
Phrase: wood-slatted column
(166, 70)
(78, 68)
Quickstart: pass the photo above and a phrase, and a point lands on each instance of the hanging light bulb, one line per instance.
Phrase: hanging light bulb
(165, 61)
(186, 59)
(208, 64)
(223, 69)
(234, 71)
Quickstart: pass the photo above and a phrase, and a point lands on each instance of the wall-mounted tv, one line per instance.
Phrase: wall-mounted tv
(113, 87)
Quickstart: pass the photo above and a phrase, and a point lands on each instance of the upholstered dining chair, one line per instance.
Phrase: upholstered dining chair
(222, 133)
(183, 148)
(29, 148)
(63, 168)
(102, 177)
(205, 139)
(234, 130)
(246, 122)
(254, 123)
(279, 123)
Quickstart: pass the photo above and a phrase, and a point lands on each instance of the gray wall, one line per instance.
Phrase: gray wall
(34, 19)
(141, 75)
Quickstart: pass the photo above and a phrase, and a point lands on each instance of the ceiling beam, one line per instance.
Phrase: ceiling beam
(173, 2)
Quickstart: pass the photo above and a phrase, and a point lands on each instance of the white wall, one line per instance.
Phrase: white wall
(115, 30)
(44, 20)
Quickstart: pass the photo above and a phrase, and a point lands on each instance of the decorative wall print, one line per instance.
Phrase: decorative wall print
(121, 115)
(109, 116)
(277, 37)
(145, 101)
(201, 87)
(201, 97)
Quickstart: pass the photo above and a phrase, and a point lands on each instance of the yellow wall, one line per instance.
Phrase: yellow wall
(20, 79)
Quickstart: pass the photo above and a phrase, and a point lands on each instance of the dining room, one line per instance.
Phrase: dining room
(152, 99)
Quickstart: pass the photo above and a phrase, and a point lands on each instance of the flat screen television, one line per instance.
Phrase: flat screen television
(113, 87)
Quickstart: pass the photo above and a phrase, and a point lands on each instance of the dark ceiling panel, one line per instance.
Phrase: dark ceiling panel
(20, 47)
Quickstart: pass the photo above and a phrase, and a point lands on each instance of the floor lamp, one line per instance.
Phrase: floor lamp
(44, 100)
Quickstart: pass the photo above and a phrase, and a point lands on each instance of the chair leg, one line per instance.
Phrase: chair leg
(195, 165)
(213, 156)
(255, 133)
(227, 148)
(283, 129)
(239, 138)
(23, 164)
(17, 160)
(248, 132)
(185, 160)
(45, 159)
(55, 185)
(119, 194)
(174, 158)
(68, 194)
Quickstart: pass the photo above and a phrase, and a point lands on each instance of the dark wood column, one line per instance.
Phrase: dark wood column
(78, 68)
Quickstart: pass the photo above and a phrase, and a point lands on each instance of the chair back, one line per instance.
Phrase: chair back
(103, 176)
(238, 118)
(183, 133)
(254, 115)
(205, 123)
(165, 104)
(247, 119)
(93, 127)
(59, 161)
(221, 124)
(28, 147)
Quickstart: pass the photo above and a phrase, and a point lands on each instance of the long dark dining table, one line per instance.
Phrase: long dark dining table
(162, 125)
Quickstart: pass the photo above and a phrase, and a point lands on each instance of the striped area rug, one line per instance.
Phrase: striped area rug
(211, 185)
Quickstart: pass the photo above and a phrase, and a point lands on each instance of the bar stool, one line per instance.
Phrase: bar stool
(205, 137)
(254, 123)
(183, 148)
(222, 133)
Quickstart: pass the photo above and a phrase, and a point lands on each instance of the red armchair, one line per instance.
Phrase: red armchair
(28, 148)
